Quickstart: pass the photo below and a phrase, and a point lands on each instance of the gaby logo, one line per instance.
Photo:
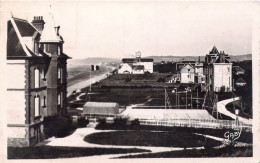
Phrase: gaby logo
(232, 136)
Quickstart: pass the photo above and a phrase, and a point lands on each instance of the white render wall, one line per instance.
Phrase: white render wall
(222, 76)
(15, 107)
(148, 66)
(15, 94)
(124, 67)
(186, 79)
(16, 75)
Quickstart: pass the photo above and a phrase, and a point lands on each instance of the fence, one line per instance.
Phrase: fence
(193, 123)
(196, 123)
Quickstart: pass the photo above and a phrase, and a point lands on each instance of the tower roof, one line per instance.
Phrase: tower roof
(49, 33)
(214, 50)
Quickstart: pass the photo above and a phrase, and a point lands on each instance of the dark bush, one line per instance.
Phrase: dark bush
(161, 80)
(82, 122)
(120, 121)
(135, 124)
(101, 123)
(128, 80)
(57, 126)
(222, 89)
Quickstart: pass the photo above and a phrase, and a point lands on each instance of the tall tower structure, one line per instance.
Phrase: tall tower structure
(51, 43)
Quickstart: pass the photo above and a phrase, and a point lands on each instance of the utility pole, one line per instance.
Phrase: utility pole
(90, 80)
(186, 98)
(165, 98)
(191, 100)
(197, 99)
(176, 98)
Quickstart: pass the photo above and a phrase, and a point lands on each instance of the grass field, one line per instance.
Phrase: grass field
(150, 138)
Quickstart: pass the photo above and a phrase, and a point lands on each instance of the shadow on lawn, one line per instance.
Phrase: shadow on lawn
(49, 152)
(195, 153)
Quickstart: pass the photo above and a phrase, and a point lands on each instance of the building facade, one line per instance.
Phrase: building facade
(199, 76)
(218, 71)
(38, 78)
(136, 65)
(187, 74)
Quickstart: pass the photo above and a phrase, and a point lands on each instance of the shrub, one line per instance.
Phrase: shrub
(57, 126)
(161, 80)
(120, 121)
(135, 123)
(222, 89)
(82, 122)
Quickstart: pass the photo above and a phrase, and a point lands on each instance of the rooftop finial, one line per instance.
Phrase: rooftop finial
(12, 15)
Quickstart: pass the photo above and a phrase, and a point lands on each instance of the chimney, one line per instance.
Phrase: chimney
(57, 30)
(38, 23)
(222, 57)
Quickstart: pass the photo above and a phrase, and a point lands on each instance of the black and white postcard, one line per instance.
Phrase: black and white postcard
(130, 81)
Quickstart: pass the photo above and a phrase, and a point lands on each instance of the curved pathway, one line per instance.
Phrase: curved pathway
(221, 106)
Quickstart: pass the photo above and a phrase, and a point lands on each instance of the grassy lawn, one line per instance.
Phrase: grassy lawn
(150, 138)
(49, 152)
(129, 96)
(223, 152)
(245, 137)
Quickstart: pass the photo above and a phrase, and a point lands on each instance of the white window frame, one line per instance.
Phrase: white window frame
(36, 78)
(59, 99)
(36, 105)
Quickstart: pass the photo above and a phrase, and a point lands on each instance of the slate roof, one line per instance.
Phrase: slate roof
(237, 68)
(241, 80)
(138, 67)
(24, 27)
(214, 50)
(19, 35)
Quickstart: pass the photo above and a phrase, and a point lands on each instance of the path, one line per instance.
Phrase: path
(86, 83)
(221, 106)
(77, 140)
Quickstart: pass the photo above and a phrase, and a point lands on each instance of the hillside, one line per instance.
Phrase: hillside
(193, 58)
(89, 61)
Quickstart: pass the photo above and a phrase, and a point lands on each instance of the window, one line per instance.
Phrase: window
(59, 99)
(43, 75)
(44, 101)
(59, 73)
(228, 69)
(188, 70)
(36, 105)
(36, 78)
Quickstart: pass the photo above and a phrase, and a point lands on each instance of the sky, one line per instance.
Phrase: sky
(120, 29)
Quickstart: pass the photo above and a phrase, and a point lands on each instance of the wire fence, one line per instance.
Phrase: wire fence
(193, 123)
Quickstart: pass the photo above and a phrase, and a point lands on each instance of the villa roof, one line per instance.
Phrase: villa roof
(237, 68)
(214, 50)
(241, 80)
(20, 37)
(49, 34)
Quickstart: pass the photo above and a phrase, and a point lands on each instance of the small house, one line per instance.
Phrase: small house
(187, 74)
